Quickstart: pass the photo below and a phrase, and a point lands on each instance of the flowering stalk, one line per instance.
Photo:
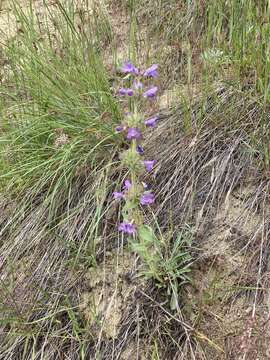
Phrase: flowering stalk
(169, 270)
(137, 193)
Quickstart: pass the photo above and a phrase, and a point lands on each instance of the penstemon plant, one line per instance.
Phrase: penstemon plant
(136, 194)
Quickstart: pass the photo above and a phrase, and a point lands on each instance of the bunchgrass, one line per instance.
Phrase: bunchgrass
(209, 42)
(60, 110)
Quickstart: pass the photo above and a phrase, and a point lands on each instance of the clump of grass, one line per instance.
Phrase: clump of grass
(207, 42)
(60, 110)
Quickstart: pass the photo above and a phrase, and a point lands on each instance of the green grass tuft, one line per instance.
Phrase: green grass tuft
(60, 112)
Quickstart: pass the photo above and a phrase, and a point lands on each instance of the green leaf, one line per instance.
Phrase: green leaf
(146, 235)
(139, 249)
(129, 205)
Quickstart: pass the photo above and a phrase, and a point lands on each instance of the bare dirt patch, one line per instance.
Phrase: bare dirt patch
(109, 293)
(231, 301)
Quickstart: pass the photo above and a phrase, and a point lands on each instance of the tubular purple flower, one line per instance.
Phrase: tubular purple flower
(147, 198)
(127, 184)
(149, 164)
(139, 149)
(118, 195)
(127, 228)
(123, 92)
(133, 133)
(129, 68)
(150, 93)
(119, 128)
(151, 71)
(152, 122)
(130, 92)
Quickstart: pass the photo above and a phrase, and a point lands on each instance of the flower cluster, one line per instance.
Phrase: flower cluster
(134, 192)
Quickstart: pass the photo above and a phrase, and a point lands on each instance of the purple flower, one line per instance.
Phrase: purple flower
(147, 198)
(139, 149)
(123, 92)
(133, 133)
(118, 195)
(127, 184)
(149, 164)
(152, 71)
(119, 128)
(129, 68)
(127, 228)
(130, 92)
(137, 84)
(150, 93)
(151, 122)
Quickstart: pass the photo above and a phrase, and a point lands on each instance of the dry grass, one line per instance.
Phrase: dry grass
(213, 178)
